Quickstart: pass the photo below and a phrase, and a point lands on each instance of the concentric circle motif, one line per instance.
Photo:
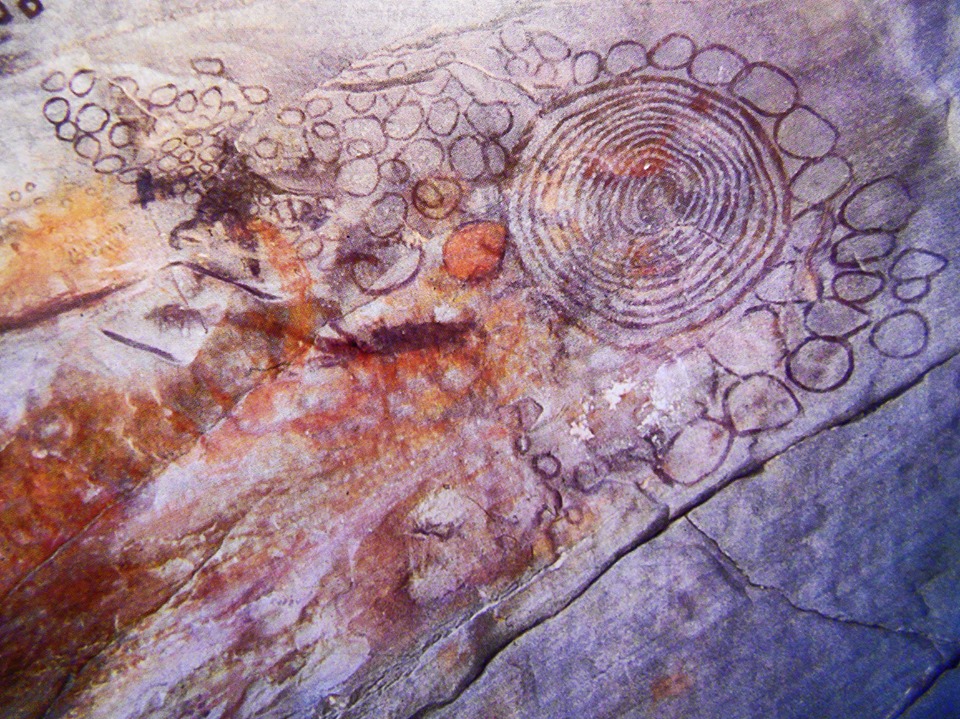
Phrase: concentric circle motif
(647, 206)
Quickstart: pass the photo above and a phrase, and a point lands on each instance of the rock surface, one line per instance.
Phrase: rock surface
(769, 600)
(364, 360)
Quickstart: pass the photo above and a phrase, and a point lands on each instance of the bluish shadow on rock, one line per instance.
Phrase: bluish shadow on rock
(825, 585)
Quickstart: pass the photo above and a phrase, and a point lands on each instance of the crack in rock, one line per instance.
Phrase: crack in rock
(926, 686)
(782, 594)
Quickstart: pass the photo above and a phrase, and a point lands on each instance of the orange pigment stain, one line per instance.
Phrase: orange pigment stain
(282, 255)
(403, 401)
(645, 260)
(93, 442)
(74, 467)
(701, 104)
(75, 248)
(435, 419)
(474, 251)
(383, 419)
(301, 314)
(670, 686)
(374, 429)
(72, 458)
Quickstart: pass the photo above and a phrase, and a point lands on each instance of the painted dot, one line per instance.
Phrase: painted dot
(716, 65)
(883, 204)
(474, 250)
(164, 96)
(55, 82)
(819, 181)
(82, 82)
(255, 94)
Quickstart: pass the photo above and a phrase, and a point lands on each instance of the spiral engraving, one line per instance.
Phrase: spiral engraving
(646, 206)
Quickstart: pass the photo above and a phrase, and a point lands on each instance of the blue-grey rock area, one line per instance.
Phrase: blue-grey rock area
(824, 585)
(941, 700)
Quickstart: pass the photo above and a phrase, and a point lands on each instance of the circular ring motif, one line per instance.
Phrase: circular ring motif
(647, 206)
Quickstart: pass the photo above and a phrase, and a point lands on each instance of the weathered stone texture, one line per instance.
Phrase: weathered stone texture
(823, 585)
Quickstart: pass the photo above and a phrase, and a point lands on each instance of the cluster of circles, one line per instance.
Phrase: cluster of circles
(647, 206)
(176, 133)
(398, 142)
(420, 137)
(865, 263)
(626, 189)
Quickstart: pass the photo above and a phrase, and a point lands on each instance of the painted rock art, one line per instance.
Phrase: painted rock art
(319, 392)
